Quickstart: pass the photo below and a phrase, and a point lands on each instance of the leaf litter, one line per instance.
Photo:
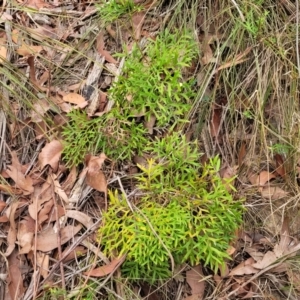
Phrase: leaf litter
(46, 217)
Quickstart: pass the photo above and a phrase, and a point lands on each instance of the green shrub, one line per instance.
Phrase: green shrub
(113, 10)
(183, 217)
(118, 138)
(80, 137)
(151, 84)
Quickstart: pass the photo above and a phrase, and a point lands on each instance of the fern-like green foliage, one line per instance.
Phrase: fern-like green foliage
(118, 138)
(151, 84)
(152, 81)
(80, 137)
(112, 10)
(186, 215)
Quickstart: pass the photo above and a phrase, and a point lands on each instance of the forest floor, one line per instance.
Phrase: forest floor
(149, 149)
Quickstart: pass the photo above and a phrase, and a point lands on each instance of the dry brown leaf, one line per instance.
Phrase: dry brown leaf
(94, 163)
(12, 231)
(41, 195)
(2, 205)
(243, 291)
(10, 189)
(215, 122)
(28, 50)
(15, 173)
(38, 110)
(238, 59)
(36, 4)
(32, 72)
(42, 261)
(50, 155)
(273, 192)
(107, 269)
(43, 214)
(47, 239)
(58, 189)
(280, 169)
(294, 277)
(74, 98)
(24, 49)
(268, 259)
(231, 250)
(68, 184)
(3, 49)
(75, 253)
(95, 178)
(287, 245)
(194, 278)
(260, 179)
(254, 253)
(4, 219)
(25, 234)
(15, 278)
(208, 56)
(97, 181)
(40, 33)
(138, 19)
(40, 129)
(5, 16)
(60, 213)
(242, 154)
(244, 268)
(80, 217)
(100, 49)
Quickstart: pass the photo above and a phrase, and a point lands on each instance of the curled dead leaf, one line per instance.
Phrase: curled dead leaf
(25, 234)
(38, 110)
(10, 189)
(12, 231)
(15, 279)
(2, 205)
(273, 192)
(268, 259)
(215, 122)
(47, 239)
(100, 48)
(80, 217)
(97, 181)
(42, 260)
(194, 278)
(107, 269)
(15, 172)
(244, 268)
(242, 154)
(280, 169)
(50, 155)
(95, 178)
(77, 252)
(74, 98)
(260, 179)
